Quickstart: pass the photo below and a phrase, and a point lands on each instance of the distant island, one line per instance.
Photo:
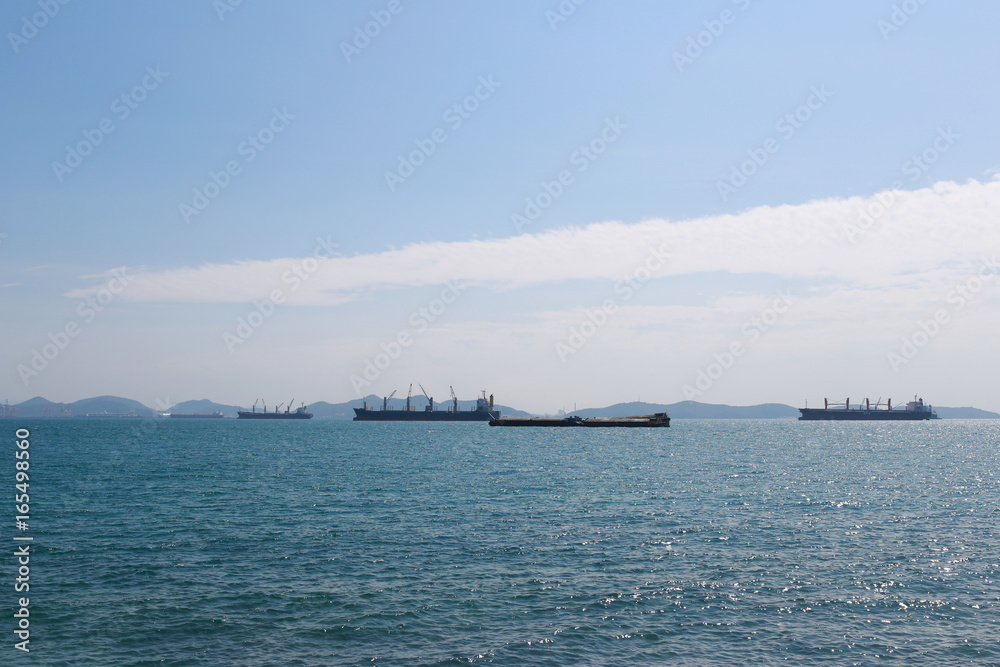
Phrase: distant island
(116, 406)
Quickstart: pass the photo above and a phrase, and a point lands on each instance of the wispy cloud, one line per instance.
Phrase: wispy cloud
(925, 238)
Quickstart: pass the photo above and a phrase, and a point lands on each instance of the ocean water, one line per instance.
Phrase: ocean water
(722, 542)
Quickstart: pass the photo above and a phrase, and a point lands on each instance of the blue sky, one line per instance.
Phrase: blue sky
(239, 153)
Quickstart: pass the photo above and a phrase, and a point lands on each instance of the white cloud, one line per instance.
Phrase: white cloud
(920, 242)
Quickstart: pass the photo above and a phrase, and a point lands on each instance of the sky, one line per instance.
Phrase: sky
(572, 203)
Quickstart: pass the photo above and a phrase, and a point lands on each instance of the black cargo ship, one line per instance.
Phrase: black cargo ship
(299, 413)
(659, 419)
(484, 411)
(914, 410)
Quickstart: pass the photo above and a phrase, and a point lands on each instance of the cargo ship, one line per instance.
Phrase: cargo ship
(484, 411)
(914, 410)
(659, 419)
(299, 413)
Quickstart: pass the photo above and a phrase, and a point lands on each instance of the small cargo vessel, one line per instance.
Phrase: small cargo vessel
(300, 412)
(658, 419)
(914, 410)
(484, 411)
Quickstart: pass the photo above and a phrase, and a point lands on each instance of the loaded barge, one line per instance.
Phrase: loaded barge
(914, 410)
(658, 419)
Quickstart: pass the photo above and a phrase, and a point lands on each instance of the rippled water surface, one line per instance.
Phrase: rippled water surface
(221, 542)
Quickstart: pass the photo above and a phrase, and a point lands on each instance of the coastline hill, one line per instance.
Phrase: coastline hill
(39, 407)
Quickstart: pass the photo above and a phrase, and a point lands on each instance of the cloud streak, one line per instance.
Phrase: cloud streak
(925, 237)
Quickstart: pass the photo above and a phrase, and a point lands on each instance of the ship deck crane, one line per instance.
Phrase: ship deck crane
(430, 401)
(385, 400)
(409, 395)
(454, 398)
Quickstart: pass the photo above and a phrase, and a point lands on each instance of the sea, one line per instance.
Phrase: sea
(712, 542)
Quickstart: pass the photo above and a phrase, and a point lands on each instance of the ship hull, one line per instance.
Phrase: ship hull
(639, 421)
(362, 415)
(274, 415)
(820, 414)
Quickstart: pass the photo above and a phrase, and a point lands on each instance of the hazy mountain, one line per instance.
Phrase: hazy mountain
(36, 402)
(324, 410)
(112, 405)
(203, 407)
(39, 407)
(694, 410)
(965, 413)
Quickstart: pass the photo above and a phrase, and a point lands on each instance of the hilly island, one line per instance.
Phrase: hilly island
(116, 406)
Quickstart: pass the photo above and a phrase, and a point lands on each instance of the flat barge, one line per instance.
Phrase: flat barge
(659, 419)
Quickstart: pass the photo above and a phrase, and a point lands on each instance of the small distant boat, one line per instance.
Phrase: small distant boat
(659, 419)
(915, 410)
(111, 415)
(215, 415)
(299, 413)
